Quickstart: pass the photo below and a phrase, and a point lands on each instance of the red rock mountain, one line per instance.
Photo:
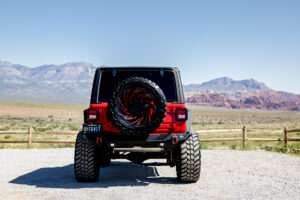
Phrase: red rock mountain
(245, 94)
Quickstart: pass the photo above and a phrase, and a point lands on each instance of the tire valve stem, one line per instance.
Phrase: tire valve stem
(174, 140)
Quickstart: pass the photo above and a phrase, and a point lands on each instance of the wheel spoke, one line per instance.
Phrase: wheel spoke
(140, 120)
(136, 106)
(123, 109)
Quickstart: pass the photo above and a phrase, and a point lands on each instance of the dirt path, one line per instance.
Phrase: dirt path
(48, 174)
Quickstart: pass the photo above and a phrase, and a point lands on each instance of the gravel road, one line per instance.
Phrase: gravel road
(48, 174)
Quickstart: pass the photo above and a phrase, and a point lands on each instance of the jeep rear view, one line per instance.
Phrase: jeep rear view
(137, 113)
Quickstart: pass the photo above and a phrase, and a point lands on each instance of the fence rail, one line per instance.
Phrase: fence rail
(30, 141)
(244, 131)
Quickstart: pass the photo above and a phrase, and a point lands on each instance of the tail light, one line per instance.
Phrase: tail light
(92, 114)
(181, 114)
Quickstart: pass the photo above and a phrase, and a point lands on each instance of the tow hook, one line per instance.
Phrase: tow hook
(174, 140)
(99, 141)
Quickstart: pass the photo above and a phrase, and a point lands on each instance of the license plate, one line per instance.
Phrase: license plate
(92, 128)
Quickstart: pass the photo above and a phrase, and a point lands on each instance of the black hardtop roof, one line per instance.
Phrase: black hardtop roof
(114, 70)
(137, 68)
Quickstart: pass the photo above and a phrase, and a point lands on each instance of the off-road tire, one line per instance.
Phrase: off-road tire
(86, 163)
(189, 160)
(159, 97)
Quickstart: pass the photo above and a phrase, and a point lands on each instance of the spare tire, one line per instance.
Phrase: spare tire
(137, 106)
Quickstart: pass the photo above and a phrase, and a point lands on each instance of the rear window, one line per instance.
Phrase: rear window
(165, 82)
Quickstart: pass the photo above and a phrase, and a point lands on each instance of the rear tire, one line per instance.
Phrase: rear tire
(189, 160)
(86, 163)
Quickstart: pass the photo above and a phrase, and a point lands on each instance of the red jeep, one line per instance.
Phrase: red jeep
(137, 113)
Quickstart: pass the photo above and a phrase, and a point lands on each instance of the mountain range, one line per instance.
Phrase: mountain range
(226, 84)
(243, 94)
(67, 83)
(71, 83)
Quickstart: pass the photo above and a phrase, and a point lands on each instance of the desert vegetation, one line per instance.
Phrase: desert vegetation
(52, 117)
(204, 118)
(42, 118)
(273, 122)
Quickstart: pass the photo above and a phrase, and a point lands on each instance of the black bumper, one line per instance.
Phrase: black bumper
(110, 137)
(181, 137)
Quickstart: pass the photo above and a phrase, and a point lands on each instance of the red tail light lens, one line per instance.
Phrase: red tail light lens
(181, 114)
(92, 114)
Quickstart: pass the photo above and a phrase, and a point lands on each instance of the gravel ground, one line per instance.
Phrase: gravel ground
(48, 174)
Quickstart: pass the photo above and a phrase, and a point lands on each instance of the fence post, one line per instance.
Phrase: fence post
(244, 136)
(29, 137)
(285, 136)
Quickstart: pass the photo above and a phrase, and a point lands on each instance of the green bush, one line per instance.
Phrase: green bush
(233, 146)
(7, 137)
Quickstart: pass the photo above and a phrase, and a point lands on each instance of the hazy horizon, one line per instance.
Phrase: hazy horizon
(260, 81)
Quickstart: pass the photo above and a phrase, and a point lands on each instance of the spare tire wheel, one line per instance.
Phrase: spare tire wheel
(137, 106)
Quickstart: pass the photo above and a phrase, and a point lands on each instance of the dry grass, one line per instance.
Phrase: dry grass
(40, 110)
(43, 118)
(204, 118)
(51, 117)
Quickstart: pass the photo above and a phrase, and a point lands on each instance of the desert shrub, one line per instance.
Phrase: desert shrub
(42, 129)
(7, 137)
(233, 146)
(4, 128)
(73, 127)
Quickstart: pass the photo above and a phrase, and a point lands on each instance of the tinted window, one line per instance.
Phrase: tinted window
(165, 82)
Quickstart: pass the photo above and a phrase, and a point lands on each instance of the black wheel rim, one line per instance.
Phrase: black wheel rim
(136, 107)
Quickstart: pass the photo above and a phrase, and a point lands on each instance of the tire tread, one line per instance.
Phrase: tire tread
(189, 165)
(86, 164)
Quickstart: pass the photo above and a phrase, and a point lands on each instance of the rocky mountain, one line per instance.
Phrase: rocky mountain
(68, 83)
(244, 94)
(71, 83)
(264, 100)
(226, 84)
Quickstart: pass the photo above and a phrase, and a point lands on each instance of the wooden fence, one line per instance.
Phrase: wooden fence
(31, 132)
(244, 131)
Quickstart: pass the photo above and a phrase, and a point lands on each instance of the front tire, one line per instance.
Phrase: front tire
(188, 165)
(86, 164)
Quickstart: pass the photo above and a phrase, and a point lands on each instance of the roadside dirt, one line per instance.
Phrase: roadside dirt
(48, 174)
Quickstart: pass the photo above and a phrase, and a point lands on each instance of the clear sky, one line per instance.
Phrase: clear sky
(240, 39)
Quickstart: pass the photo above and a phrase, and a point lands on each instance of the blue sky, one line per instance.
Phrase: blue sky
(241, 39)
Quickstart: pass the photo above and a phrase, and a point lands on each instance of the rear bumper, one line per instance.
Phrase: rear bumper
(181, 137)
(111, 137)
